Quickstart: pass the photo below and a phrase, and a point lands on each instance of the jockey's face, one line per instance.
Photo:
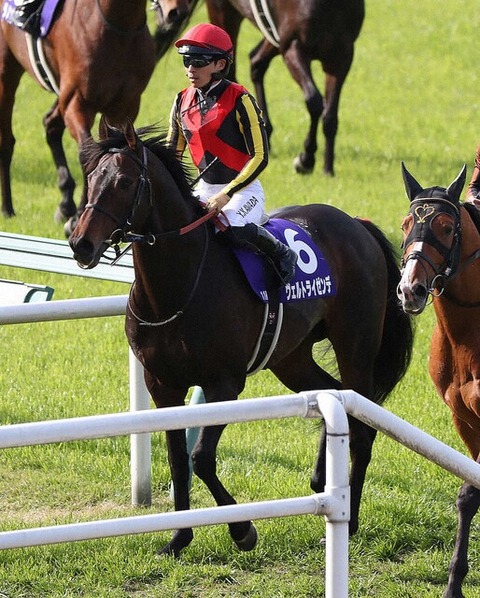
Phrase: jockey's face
(201, 76)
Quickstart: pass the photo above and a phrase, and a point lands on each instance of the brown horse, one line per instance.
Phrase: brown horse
(101, 56)
(324, 31)
(193, 320)
(441, 251)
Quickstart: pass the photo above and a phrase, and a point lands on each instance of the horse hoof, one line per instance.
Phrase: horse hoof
(59, 217)
(300, 167)
(181, 539)
(70, 225)
(249, 541)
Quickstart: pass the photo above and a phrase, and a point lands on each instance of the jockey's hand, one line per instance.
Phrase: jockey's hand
(217, 202)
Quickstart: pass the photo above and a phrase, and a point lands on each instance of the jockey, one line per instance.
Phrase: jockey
(27, 15)
(473, 190)
(222, 126)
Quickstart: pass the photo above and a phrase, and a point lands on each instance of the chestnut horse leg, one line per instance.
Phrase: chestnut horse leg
(300, 68)
(468, 503)
(9, 79)
(54, 129)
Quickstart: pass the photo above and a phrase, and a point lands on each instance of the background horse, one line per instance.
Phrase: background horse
(193, 320)
(324, 31)
(441, 251)
(101, 56)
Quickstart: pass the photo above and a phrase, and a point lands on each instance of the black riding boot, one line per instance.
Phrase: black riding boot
(256, 237)
(27, 16)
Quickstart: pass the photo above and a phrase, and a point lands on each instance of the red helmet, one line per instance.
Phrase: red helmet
(206, 39)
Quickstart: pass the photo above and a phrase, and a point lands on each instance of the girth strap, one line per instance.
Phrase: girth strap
(268, 338)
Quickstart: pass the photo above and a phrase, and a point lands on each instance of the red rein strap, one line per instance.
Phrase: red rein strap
(196, 223)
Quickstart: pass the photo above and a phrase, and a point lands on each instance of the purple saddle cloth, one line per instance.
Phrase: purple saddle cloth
(312, 279)
(46, 17)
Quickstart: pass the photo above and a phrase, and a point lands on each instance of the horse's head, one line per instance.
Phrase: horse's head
(171, 17)
(118, 192)
(431, 242)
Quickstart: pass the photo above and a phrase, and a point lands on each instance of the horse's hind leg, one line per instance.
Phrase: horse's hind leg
(243, 533)
(260, 58)
(299, 371)
(300, 68)
(10, 74)
(54, 129)
(468, 503)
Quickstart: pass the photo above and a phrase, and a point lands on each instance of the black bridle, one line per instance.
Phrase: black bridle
(423, 211)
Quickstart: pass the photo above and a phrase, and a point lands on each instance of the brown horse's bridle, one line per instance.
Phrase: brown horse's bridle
(422, 231)
(423, 211)
(142, 200)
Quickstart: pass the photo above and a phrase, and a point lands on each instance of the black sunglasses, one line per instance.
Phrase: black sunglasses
(198, 61)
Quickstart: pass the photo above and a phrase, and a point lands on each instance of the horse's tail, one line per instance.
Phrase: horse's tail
(395, 352)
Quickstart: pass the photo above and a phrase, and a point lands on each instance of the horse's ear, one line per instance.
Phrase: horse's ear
(103, 128)
(412, 187)
(455, 188)
(130, 135)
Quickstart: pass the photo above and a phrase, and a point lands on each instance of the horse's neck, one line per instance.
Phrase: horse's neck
(166, 272)
(170, 275)
(126, 15)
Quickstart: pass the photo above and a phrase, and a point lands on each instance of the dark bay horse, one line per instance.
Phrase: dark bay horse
(301, 33)
(441, 251)
(101, 57)
(193, 320)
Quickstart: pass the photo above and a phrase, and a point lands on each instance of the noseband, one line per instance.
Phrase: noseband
(423, 211)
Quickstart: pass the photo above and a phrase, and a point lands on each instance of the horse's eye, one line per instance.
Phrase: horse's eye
(124, 183)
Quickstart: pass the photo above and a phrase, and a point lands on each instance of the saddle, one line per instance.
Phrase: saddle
(34, 17)
(312, 280)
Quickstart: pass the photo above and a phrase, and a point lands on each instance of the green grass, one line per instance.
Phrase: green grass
(412, 95)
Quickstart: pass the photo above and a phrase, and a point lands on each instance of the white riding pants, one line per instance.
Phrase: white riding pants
(247, 205)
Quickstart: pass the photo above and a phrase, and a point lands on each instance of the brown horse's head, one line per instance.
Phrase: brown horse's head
(431, 241)
(116, 187)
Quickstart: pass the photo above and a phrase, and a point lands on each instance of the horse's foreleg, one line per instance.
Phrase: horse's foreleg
(468, 503)
(243, 533)
(180, 471)
(54, 128)
(260, 58)
(300, 69)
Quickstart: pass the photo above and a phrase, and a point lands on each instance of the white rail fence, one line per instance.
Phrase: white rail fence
(55, 256)
(334, 503)
(94, 307)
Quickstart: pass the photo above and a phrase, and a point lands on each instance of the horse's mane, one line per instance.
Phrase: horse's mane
(154, 139)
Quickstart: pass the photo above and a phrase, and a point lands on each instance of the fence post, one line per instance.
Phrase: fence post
(140, 444)
(336, 484)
